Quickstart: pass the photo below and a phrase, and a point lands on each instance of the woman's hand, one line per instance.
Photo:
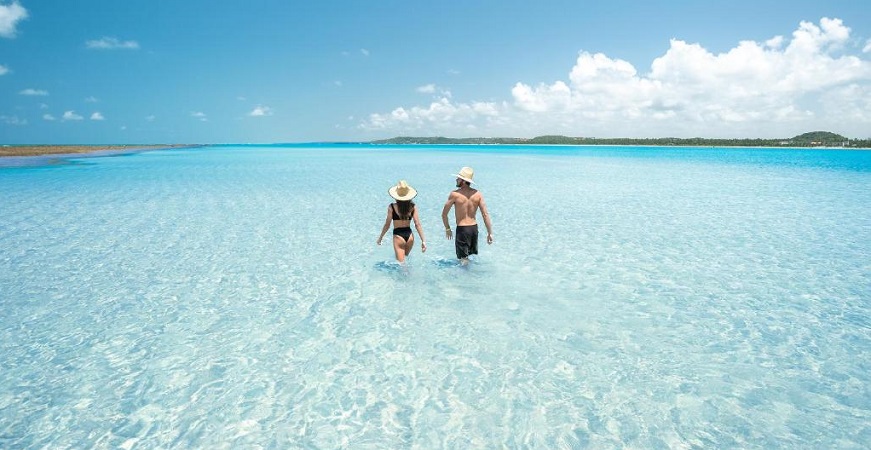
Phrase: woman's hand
(422, 246)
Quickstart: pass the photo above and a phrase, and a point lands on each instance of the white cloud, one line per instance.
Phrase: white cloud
(48, 117)
(10, 15)
(200, 115)
(434, 90)
(774, 43)
(43, 106)
(13, 120)
(34, 92)
(439, 115)
(111, 43)
(91, 99)
(97, 116)
(71, 115)
(867, 48)
(260, 111)
(780, 87)
(364, 52)
(541, 98)
(3, 70)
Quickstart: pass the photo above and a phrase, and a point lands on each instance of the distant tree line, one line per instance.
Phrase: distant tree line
(812, 139)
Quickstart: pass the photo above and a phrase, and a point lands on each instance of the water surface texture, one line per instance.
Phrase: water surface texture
(234, 297)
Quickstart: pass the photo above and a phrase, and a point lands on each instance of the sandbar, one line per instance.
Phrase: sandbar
(42, 150)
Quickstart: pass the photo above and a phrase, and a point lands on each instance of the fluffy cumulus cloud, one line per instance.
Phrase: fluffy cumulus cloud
(34, 92)
(200, 115)
(97, 116)
(10, 15)
(3, 70)
(440, 116)
(111, 43)
(48, 117)
(71, 115)
(260, 111)
(815, 79)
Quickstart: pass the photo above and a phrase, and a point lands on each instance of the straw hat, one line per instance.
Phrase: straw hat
(466, 174)
(402, 191)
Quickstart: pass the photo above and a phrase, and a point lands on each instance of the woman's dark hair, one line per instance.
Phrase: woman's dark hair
(404, 208)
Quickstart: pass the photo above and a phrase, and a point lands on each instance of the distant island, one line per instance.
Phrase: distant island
(812, 139)
(823, 139)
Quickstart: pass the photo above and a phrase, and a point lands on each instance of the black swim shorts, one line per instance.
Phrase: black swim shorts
(466, 240)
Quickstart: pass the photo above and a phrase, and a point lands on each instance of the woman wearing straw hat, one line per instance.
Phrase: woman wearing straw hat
(401, 214)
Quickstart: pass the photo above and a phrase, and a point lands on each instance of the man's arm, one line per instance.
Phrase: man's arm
(445, 211)
(487, 223)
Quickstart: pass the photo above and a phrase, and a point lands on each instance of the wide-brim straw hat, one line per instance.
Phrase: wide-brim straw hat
(466, 174)
(402, 191)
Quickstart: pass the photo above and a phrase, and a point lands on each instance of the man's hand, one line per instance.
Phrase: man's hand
(449, 234)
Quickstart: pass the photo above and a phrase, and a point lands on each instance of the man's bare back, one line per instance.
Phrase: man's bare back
(466, 202)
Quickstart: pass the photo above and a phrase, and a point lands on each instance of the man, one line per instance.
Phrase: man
(466, 202)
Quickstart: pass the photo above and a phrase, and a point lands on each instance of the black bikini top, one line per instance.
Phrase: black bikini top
(396, 214)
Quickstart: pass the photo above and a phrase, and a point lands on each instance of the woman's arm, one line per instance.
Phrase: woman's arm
(419, 230)
(386, 226)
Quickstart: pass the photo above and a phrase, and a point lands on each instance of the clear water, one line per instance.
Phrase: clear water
(234, 297)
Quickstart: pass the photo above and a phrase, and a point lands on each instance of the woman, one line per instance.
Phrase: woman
(402, 213)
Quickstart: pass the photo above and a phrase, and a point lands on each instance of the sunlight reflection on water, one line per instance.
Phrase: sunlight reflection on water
(235, 297)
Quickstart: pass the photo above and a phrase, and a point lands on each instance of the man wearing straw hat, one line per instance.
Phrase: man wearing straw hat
(466, 202)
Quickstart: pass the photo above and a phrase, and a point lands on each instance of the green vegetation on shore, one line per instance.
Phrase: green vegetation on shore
(812, 139)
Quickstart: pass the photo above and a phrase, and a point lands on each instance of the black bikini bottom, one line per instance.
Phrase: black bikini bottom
(403, 232)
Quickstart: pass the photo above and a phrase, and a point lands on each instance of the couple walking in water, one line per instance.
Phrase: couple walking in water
(466, 203)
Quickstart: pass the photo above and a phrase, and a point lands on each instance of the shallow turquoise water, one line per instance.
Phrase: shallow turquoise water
(234, 297)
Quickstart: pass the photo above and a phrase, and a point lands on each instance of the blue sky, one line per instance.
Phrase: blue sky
(197, 71)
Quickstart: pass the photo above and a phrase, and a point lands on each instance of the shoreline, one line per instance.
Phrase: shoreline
(766, 147)
(30, 155)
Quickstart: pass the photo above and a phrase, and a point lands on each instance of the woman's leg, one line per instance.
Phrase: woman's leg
(409, 244)
(399, 248)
